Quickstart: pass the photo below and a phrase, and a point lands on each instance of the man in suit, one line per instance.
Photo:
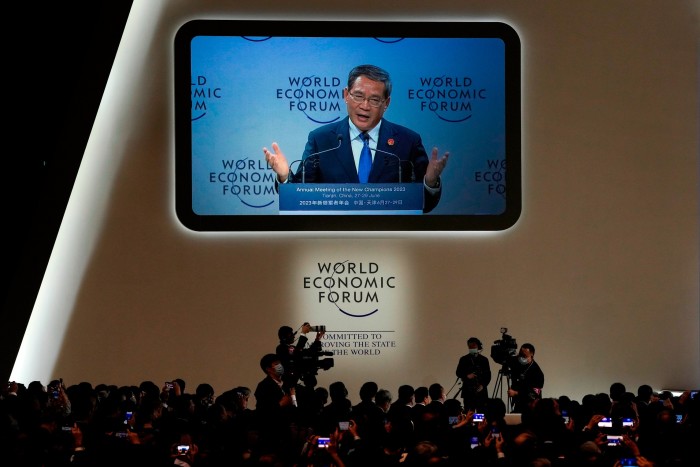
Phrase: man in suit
(394, 149)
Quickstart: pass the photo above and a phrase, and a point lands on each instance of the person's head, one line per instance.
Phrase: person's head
(368, 390)
(644, 393)
(616, 390)
(526, 353)
(205, 394)
(271, 365)
(337, 391)
(436, 392)
(383, 399)
(286, 335)
(367, 95)
(474, 345)
(422, 395)
(406, 393)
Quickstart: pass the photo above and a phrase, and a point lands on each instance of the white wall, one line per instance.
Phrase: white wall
(601, 272)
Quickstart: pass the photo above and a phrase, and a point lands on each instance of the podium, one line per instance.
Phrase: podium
(350, 198)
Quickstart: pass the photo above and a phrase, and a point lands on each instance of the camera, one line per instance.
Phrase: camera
(311, 361)
(504, 347)
(318, 328)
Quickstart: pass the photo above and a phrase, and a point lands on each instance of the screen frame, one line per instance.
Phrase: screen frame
(334, 222)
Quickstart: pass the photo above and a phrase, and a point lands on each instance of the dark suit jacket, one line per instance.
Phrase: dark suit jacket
(338, 166)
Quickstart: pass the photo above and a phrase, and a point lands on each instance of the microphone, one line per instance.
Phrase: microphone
(413, 173)
(291, 172)
(303, 164)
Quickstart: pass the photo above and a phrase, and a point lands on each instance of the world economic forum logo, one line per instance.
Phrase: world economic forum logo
(247, 179)
(355, 289)
(202, 96)
(317, 97)
(452, 99)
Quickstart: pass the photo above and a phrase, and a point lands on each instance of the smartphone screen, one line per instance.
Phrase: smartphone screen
(343, 425)
(323, 442)
(183, 448)
(478, 418)
(474, 442)
(628, 462)
(614, 440)
(452, 420)
(605, 423)
(627, 422)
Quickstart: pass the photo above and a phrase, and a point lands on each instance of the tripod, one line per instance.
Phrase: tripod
(498, 388)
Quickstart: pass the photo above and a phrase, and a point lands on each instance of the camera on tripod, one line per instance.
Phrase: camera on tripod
(504, 347)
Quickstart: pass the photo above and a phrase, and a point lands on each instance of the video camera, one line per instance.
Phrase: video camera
(310, 362)
(504, 348)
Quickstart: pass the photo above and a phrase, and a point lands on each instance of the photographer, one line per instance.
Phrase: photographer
(527, 379)
(300, 362)
(475, 372)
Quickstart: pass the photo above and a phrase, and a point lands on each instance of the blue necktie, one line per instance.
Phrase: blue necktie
(365, 159)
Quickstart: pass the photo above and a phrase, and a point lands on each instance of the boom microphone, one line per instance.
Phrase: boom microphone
(303, 164)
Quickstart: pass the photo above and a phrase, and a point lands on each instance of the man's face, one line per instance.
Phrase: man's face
(364, 115)
(526, 354)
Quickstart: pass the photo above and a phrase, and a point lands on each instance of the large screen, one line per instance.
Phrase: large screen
(242, 85)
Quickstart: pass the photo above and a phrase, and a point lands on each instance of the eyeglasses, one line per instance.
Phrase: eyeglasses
(360, 98)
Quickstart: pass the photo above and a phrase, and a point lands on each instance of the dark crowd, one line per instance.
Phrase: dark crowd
(170, 424)
(297, 423)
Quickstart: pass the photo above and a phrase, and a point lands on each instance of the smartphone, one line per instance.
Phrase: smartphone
(452, 420)
(628, 461)
(679, 418)
(343, 425)
(183, 449)
(121, 434)
(565, 416)
(605, 423)
(127, 417)
(627, 422)
(495, 432)
(168, 385)
(614, 440)
(67, 428)
(474, 442)
(478, 418)
(323, 442)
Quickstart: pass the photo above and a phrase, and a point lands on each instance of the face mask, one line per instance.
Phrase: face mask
(522, 360)
(473, 351)
(279, 369)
